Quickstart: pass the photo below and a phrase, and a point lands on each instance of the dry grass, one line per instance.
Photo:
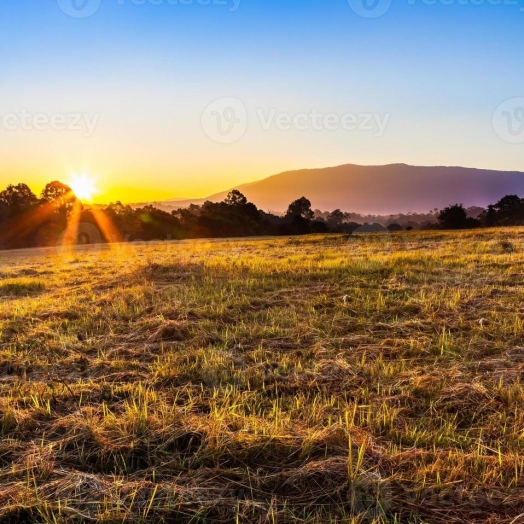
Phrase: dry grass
(310, 380)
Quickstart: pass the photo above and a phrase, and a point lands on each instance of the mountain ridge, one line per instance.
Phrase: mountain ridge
(389, 188)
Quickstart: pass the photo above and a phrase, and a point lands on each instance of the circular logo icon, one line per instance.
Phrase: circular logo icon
(371, 495)
(508, 120)
(82, 239)
(225, 120)
(370, 8)
(371, 239)
(79, 8)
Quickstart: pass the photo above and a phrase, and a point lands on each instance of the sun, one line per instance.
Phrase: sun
(83, 186)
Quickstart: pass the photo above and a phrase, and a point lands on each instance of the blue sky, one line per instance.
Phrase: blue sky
(149, 71)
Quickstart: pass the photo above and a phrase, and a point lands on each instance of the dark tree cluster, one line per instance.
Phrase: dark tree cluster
(456, 217)
(508, 211)
(30, 221)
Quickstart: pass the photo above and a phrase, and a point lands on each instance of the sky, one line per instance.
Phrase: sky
(159, 99)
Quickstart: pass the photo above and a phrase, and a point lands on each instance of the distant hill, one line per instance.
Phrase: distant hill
(389, 189)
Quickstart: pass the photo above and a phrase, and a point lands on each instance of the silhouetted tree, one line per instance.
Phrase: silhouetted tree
(19, 223)
(235, 198)
(300, 208)
(489, 217)
(15, 200)
(61, 197)
(453, 217)
(335, 219)
(508, 211)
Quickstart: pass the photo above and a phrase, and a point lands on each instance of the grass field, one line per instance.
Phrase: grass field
(304, 380)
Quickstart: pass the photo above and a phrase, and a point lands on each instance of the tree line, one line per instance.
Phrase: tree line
(30, 221)
(508, 211)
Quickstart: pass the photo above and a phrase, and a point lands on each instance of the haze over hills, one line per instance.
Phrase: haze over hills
(388, 189)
